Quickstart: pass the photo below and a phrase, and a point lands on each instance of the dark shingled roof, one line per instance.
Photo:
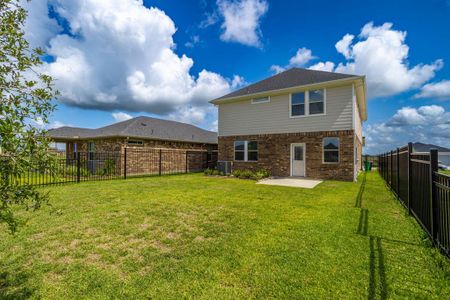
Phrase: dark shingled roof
(289, 78)
(140, 127)
(421, 147)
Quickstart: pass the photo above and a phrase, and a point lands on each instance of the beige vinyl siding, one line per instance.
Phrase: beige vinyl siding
(244, 118)
(358, 122)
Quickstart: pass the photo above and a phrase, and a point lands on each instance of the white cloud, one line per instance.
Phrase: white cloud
(57, 124)
(439, 90)
(121, 55)
(39, 28)
(381, 54)
(407, 116)
(301, 58)
(241, 22)
(277, 69)
(121, 116)
(323, 66)
(427, 124)
(343, 46)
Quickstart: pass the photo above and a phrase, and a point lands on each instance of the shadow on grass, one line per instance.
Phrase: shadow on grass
(358, 201)
(363, 225)
(376, 267)
(15, 285)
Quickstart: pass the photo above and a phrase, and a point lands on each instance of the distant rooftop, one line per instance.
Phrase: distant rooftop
(421, 147)
(140, 127)
(289, 78)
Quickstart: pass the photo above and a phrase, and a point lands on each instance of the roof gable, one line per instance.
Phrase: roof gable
(287, 79)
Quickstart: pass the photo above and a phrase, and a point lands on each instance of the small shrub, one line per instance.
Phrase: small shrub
(212, 172)
(247, 174)
(261, 174)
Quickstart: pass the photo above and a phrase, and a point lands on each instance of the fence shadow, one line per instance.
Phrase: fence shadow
(377, 270)
(358, 201)
(363, 225)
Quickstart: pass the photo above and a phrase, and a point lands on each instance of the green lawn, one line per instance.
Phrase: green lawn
(446, 172)
(190, 236)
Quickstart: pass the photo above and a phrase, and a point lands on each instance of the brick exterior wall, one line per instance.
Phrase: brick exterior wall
(274, 153)
(144, 160)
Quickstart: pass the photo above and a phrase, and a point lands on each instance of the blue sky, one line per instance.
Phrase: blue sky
(161, 58)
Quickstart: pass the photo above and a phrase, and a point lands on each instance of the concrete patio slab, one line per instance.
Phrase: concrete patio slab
(291, 182)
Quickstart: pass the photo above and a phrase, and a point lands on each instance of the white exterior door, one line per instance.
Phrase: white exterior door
(298, 159)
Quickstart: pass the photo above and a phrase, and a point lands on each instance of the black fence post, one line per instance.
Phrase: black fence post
(160, 160)
(186, 169)
(392, 169)
(78, 166)
(125, 163)
(398, 172)
(434, 206)
(410, 150)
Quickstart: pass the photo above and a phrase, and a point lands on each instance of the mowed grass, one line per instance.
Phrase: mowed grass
(190, 236)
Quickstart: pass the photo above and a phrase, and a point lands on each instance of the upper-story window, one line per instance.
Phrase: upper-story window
(316, 101)
(135, 143)
(306, 103)
(298, 104)
(260, 100)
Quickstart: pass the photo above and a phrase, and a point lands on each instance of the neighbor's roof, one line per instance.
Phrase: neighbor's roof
(140, 127)
(287, 79)
(421, 147)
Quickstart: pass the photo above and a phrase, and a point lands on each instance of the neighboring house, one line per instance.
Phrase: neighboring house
(297, 123)
(149, 142)
(443, 153)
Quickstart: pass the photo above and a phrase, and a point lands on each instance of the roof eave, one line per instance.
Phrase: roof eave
(286, 90)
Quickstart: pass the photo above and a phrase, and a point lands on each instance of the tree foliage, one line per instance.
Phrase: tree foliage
(26, 99)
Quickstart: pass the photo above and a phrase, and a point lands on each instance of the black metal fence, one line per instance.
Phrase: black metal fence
(131, 162)
(415, 180)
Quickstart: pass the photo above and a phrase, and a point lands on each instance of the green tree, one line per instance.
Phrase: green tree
(26, 97)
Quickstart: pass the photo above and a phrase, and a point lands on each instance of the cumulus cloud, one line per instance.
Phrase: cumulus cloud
(323, 66)
(277, 69)
(301, 58)
(427, 124)
(343, 46)
(118, 54)
(438, 90)
(381, 53)
(241, 20)
(121, 116)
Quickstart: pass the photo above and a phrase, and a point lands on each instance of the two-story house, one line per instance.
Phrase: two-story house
(299, 122)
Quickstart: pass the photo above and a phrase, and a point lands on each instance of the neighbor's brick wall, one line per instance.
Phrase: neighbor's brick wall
(145, 159)
(274, 153)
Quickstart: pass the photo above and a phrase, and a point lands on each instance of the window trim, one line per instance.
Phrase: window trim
(307, 114)
(254, 100)
(323, 151)
(245, 151)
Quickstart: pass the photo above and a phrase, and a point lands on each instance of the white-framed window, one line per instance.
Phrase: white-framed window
(246, 151)
(331, 150)
(298, 104)
(316, 101)
(307, 103)
(135, 143)
(260, 100)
